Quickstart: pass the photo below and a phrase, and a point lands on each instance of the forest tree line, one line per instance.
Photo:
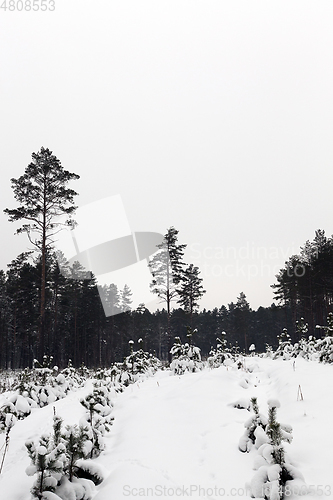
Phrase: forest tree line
(44, 311)
(78, 329)
(76, 326)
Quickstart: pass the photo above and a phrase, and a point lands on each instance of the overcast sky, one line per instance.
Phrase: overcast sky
(215, 117)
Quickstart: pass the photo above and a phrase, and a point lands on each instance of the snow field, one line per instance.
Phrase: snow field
(175, 434)
(14, 483)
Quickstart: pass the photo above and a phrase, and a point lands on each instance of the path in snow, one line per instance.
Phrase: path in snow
(175, 432)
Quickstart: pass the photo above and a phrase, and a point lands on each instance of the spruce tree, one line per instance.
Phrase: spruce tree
(190, 290)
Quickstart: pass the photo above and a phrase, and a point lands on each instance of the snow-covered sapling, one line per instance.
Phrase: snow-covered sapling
(57, 423)
(78, 447)
(273, 431)
(185, 357)
(324, 346)
(98, 418)
(273, 470)
(218, 355)
(10, 421)
(47, 462)
(73, 438)
(255, 427)
(285, 348)
(6, 409)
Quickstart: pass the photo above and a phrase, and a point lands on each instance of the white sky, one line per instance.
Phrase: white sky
(215, 117)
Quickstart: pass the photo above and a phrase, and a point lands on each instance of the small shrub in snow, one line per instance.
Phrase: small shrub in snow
(39, 387)
(140, 361)
(218, 356)
(22, 405)
(46, 363)
(47, 462)
(98, 418)
(8, 424)
(275, 475)
(308, 348)
(253, 435)
(185, 357)
(94, 429)
(302, 329)
(305, 348)
(8, 380)
(177, 349)
(285, 348)
(328, 329)
(74, 439)
(325, 349)
(60, 465)
(6, 409)
(57, 423)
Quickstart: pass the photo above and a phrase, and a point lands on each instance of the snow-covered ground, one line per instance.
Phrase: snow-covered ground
(177, 436)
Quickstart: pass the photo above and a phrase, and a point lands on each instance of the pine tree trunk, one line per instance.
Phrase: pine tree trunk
(14, 338)
(55, 324)
(43, 283)
(42, 309)
(168, 327)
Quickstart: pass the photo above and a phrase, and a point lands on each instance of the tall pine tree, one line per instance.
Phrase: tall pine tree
(43, 196)
(167, 270)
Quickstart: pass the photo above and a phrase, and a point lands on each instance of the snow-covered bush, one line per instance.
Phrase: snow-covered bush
(38, 387)
(98, 419)
(6, 410)
(217, 356)
(78, 449)
(269, 351)
(285, 347)
(324, 348)
(302, 329)
(8, 424)
(140, 361)
(309, 348)
(185, 357)
(8, 380)
(305, 348)
(47, 461)
(255, 427)
(275, 475)
(22, 405)
(61, 466)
